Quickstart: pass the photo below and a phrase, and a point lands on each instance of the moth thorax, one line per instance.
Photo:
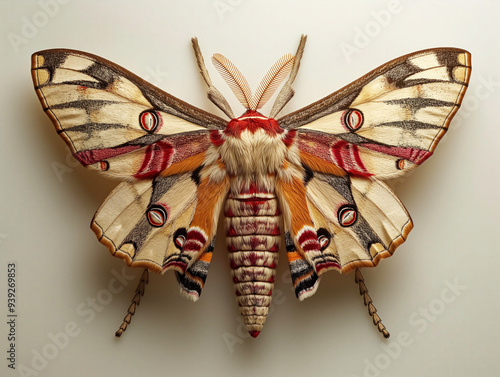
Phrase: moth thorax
(253, 239)
(253, 147)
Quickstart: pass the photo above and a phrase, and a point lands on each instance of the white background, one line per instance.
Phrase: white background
(61, 268)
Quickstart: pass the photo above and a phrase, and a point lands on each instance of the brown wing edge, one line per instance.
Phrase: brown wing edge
(458, 101)
(151, 266)
(202, 117)
(398, 241)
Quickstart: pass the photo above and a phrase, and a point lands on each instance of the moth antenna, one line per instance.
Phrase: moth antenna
(136, 300)
(213, 94)
(234, 79)
(286, 92)
(363, 291)
(271, 81)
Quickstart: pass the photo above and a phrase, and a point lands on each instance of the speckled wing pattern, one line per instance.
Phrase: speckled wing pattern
(379, 127)
(118, 124)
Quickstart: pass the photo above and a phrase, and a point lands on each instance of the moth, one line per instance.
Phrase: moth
(314, 176)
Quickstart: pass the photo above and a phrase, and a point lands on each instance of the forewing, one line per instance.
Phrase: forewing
(114, 121)
(387, 122)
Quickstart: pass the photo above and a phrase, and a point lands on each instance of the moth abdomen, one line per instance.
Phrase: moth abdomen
(253, 240)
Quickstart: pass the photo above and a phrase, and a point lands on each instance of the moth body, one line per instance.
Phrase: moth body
(253, 149)
(253, 240)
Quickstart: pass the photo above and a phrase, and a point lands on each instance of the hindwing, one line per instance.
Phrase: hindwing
(151, 223)
(346, 223)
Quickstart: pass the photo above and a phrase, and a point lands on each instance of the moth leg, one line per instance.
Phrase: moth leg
(363, 291)
(297, 218)
(136, 300)
(193, 280)
(304, 279)
(203, 226)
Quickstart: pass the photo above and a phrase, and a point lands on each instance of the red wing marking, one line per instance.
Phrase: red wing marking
(346, 156)
(157, 157)
(90, 157)
(416, 156)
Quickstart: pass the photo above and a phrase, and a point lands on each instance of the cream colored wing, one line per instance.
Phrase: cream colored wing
(362, 218)
(115, 122)
(388, 121)
(149, 223)
(344, 223)
(138, 220)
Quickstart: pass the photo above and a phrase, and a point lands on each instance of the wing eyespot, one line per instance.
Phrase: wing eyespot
(347, 215)
(104, 165)
(401, 164)
(353, 119)
(324, 238)
(180, 238)
(150, 121)
(157, 215)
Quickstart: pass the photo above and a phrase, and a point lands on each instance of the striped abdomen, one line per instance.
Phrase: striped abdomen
(253, 239)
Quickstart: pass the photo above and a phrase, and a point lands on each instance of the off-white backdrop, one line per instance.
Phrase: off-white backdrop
(438, 295)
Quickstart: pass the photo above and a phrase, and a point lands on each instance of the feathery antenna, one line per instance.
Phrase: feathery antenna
(271, 81)
(363, 291)
(234, 79)
(213, 94)
(286, 65)
(136, 300)
(286, 92)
